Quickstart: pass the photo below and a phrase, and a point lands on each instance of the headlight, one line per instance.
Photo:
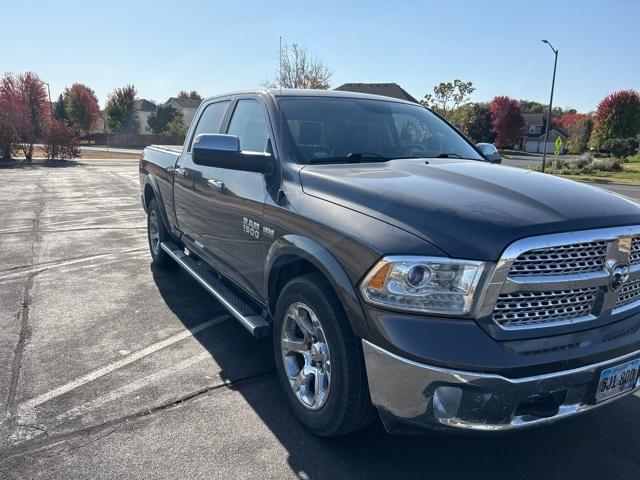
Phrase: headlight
(423, 284)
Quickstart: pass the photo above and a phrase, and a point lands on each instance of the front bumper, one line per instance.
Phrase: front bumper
(410, 395)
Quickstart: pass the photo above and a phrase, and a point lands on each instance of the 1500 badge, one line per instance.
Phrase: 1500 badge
(251, 227)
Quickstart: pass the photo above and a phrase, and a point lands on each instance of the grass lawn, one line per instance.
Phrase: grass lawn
(630, 174)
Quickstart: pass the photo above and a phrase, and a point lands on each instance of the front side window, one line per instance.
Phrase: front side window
(340, 129)
(211, 119)
(249, 125)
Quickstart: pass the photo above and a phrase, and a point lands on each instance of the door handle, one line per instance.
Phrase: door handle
(215, 183)
(179, 172)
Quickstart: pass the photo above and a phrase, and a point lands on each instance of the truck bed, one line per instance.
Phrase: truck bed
(168, 148)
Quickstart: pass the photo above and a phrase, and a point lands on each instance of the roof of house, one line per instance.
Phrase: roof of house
(392, 90)
(143, 105)
(553, 133)
(184, 102)
(533, 119)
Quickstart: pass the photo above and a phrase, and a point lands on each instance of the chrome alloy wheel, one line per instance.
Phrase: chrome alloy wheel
(154, 232)
(305, 354)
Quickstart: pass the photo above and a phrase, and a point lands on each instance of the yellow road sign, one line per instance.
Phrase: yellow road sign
(558, 145)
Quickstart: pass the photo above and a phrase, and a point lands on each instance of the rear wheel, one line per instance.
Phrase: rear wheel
(156, 234)
(319, 360)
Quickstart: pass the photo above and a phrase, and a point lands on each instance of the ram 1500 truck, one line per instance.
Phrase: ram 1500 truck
(398, 271)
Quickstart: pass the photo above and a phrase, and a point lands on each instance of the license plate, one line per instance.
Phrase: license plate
(617, 380)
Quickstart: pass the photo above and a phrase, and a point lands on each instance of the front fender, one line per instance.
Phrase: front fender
(327, 264)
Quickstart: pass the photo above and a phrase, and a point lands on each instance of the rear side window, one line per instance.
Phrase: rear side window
(249, 125)
(211, 119)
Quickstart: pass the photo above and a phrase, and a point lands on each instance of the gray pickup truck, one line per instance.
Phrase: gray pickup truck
(398, 271)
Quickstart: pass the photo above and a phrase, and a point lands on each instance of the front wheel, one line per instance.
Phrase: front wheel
(319, 360)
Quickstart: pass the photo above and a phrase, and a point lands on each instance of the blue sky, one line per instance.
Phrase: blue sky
(215, 47)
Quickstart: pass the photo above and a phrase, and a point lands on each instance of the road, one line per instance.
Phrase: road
(526, 161)
(111, 369)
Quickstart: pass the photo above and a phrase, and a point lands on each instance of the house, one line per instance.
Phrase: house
(187, 106)
(143, 109)
(533, 124)
(392, 90)
(535, 144)
(533, 134)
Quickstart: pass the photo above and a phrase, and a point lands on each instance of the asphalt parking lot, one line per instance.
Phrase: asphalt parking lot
(110, 369)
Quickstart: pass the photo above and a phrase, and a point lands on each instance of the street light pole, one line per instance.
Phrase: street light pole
(546, 129)
(50, 104)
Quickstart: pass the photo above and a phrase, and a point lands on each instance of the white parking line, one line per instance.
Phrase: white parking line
(100, 372)
(131, 387)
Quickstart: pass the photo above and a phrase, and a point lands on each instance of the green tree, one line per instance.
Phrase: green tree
(192, 95)
(617, 116)
(474, 120)
(159, 120)
(447, 96)
(531, 106)
(579, 134)
(60, 108)
(121, 115)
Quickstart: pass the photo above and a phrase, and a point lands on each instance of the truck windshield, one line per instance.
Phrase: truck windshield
(326, 130)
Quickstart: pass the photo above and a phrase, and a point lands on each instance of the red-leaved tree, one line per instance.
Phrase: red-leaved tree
(567, 120)
(8, 118)
(82, 107)
(23, 99)
(617, 116)
(507, 121)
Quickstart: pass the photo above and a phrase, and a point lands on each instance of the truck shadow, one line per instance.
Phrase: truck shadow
(602, 444)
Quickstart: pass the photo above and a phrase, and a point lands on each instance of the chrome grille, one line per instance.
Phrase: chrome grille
(628, 293)
(518, 309)
(634, 256)
(564, 278)
(562, 260)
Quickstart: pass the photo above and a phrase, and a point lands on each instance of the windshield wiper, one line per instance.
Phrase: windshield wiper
(448, 155)
(360, 155)
(353, 157)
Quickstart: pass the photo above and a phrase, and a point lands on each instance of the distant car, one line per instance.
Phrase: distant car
(490, 152)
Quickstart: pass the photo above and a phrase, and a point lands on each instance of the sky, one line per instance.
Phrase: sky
(215, 47)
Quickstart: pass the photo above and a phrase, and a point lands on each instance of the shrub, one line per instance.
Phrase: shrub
(176, 127)
(621, 147)
(585, 164)
(607, 164)
(60, 141)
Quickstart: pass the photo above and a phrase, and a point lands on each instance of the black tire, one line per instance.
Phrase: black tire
(348, 405)
(159, 258)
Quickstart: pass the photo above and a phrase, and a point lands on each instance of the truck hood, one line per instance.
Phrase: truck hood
(469, 209)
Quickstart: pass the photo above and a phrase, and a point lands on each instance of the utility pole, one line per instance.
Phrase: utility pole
(546, 129)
